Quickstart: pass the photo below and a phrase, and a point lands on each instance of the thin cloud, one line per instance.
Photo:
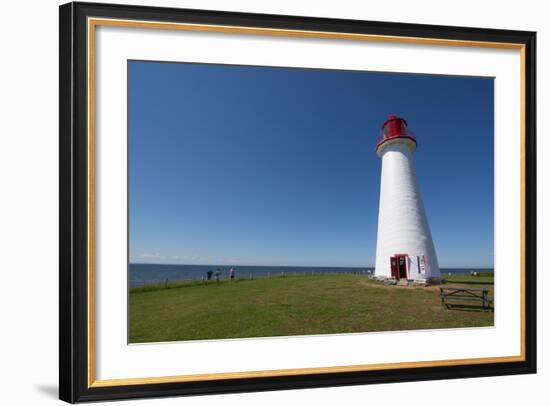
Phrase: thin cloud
(174, 258)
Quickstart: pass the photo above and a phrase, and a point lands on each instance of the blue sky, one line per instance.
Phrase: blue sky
(275, 166)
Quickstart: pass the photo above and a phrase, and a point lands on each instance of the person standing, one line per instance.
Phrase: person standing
(217, 274)
(232, 273)
(209, 274)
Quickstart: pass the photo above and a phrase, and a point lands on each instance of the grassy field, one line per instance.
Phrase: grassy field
(293, 305)
(484, 278)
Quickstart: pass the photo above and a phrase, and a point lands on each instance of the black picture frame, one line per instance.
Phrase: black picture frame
(74, 199)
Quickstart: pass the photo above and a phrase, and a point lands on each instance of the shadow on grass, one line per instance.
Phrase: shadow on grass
(469, 282)
(468, 308)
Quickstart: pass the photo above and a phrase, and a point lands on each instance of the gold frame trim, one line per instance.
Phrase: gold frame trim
(94, 22)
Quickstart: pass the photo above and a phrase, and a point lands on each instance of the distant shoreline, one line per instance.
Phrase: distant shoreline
(473, 268)
(147, 274)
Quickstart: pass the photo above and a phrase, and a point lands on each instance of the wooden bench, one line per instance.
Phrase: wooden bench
(466, 294)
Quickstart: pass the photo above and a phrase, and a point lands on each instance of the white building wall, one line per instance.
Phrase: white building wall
(402, 224)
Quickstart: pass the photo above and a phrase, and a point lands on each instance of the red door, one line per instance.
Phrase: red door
(402, 266)
(394, 270)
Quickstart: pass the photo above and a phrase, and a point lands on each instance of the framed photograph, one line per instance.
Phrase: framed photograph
(257, 202)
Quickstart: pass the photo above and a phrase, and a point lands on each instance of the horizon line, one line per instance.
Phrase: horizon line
(299, 266)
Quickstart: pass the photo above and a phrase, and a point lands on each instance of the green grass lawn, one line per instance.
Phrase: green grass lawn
(293, 305)
(484, 278)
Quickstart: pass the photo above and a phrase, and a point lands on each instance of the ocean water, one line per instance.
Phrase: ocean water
(147, 274)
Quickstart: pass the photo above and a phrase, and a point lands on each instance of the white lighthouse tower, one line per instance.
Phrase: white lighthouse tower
(404, 248)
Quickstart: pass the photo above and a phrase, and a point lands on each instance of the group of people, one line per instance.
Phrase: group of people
(217, 274)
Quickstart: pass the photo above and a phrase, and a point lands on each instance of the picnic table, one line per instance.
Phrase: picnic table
(481, 294)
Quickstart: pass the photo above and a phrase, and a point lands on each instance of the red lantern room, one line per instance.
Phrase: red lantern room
(395, 127)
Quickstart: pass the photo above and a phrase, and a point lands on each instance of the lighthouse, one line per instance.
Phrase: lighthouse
(404, 247)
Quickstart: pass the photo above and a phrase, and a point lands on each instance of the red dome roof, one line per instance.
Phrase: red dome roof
(395, 127)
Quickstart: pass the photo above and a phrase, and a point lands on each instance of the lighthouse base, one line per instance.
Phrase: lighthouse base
(406, 267)
(407, 282)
